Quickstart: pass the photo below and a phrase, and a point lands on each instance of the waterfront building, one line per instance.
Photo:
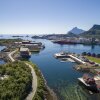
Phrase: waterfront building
(32, 47)
(24, 52)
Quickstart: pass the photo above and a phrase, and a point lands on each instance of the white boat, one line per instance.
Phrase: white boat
(61, 55)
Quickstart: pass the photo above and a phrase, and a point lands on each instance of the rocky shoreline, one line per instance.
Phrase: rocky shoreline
(51, 94)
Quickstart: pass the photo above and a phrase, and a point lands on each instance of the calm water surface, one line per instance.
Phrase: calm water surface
(2, 61)
(61, 76)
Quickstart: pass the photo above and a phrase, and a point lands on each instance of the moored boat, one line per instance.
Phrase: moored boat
(61, 55)
(90, 83)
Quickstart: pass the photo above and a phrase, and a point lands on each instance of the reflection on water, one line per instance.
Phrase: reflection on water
(93, 47)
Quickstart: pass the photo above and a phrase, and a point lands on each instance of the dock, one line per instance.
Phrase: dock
(77, 59)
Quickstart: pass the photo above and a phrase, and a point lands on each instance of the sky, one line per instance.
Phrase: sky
(47, 16)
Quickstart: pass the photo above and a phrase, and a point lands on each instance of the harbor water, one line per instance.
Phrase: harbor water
(2, 61)
(60, 76)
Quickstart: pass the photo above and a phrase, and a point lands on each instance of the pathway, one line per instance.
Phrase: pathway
(34, 80)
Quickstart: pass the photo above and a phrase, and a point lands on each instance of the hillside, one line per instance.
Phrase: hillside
(92, 32)
(15, 81)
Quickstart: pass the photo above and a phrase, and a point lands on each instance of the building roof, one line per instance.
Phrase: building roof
(30, 44)
(26, 41)
(18, 42)
(24, 49)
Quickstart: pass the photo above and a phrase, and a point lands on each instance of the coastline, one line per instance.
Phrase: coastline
(46, 82)
(49, 94)
(53, 95)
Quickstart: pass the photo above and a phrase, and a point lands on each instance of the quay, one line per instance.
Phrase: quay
(77, 59)
(69, 56)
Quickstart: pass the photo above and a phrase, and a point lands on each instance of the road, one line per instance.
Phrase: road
(34, 80)
(10, 55)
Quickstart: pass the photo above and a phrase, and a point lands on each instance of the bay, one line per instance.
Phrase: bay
(61, 76)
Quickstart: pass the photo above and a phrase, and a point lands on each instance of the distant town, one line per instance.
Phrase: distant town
(75, 36)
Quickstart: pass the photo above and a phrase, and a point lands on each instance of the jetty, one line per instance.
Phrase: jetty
(69, 57)
(77, 59)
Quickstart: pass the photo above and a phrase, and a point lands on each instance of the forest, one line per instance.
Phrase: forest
(17, 83)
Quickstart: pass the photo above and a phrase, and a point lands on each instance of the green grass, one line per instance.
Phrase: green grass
(94, 59)
(9, 41)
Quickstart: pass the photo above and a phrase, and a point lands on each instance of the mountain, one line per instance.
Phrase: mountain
(70, 34)
(92, 32)
(76, 31)
(95, 27)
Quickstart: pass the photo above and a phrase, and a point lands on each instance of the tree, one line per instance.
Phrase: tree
(93, 55)
(19, 81)
(89, 54)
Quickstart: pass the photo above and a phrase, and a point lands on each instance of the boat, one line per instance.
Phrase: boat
(90, 83)
(63, 60)
(61, 55)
